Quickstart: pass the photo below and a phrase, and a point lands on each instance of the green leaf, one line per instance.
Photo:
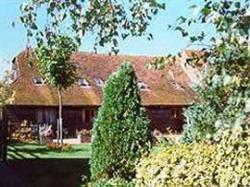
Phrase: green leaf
(206, 11)
(237, 5)
(193, 6)
(33, 26)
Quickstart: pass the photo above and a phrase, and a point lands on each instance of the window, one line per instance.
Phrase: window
(176, 113)
(99, 82)
(83, 82)
(38, 81)
(88, 116)
(14, 75)
(142, 86)
(14, 70)
(48, 116)
(177, 85)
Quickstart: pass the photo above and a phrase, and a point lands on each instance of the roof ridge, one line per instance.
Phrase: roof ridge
(118, 55)
(26, 50)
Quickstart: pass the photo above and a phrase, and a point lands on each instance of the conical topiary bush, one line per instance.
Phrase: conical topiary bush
(121, 131)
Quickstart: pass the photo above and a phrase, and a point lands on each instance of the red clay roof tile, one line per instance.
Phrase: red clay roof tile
(90, 66)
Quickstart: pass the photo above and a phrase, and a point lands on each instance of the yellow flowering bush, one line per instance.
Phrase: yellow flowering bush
(6, 94)
(222, 163)
(233, 158)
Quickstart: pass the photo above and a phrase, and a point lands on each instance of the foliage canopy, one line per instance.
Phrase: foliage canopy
(6, 94)
(224, 91)
(54, 61)
(109, 20)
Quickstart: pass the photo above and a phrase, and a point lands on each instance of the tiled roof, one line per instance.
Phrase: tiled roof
(165, 89)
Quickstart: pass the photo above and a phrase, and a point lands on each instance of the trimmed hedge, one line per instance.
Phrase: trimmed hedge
(226, 163)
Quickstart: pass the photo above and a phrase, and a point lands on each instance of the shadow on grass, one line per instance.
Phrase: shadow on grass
(51, 172)
(37, 151)
(43, 150)
(14, 153)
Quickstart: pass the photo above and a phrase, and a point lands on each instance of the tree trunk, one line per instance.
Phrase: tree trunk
(60, 125)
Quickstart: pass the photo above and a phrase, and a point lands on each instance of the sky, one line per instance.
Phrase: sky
(13, 40)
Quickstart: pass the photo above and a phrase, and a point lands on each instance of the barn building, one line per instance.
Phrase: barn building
(165, 93)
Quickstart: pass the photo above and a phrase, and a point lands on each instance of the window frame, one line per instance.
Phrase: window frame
(40, 82)
(83, 83)
(99, 81)
(143, 86)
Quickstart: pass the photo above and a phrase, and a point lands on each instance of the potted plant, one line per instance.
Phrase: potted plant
(45, 133)
(84, 135)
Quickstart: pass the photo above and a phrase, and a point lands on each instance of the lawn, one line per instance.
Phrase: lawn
(36, 165)
(17, 151)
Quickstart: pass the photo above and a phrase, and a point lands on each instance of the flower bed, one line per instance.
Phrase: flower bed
(26, 132)
(56, 147)
(84, 135)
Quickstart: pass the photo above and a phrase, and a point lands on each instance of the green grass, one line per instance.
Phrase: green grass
(22, 151)
(39, 166)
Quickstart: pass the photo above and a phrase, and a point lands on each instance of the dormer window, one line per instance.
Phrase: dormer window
(83, 82)
(177, 85)
(15, 73)
(143, 86)
(39, 81)
(99, 82)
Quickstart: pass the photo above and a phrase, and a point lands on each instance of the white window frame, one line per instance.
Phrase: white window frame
(143, 86)
(83, 83)
(41, 82)
(177, 85)
(99, 82)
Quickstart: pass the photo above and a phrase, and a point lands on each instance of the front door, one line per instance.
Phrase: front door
(72, 119)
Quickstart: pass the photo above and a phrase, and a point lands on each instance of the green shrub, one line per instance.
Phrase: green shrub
(224, 86)
(177, 165)
(224, 163)
(199, 125)
(162, 140)
(121, 131)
